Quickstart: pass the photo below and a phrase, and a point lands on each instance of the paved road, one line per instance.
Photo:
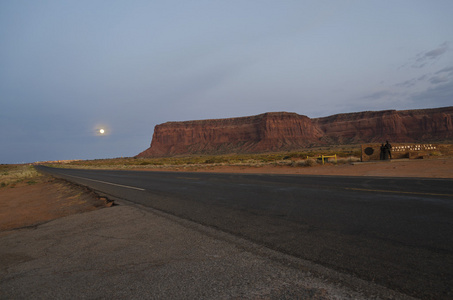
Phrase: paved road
(397, 232)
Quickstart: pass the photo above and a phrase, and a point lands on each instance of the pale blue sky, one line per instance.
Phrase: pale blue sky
(68, 68)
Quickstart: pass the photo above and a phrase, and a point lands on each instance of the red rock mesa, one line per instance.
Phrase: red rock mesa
(283, 131)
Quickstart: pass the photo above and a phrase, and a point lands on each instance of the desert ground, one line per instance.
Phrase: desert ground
(40, 199)
(432, 168)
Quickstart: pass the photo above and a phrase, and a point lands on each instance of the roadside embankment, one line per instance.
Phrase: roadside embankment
(28, 198)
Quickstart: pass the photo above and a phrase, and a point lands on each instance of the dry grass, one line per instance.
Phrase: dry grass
(346, 160)
(10, 175)
(293, 159)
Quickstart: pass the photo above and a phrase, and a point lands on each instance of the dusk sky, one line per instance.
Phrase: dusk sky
(69, 68)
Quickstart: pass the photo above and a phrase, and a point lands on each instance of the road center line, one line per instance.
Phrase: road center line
(120, 185)
(398, 192)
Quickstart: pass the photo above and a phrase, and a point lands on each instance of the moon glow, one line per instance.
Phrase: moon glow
(101, 131)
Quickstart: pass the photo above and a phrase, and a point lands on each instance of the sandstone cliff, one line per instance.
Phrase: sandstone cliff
(282, 131)
(399, 126)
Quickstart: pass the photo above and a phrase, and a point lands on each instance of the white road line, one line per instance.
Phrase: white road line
(125, 186)
(398, 192)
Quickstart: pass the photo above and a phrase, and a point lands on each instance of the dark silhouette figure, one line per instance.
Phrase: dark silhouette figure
(388, 149)
(382, 153)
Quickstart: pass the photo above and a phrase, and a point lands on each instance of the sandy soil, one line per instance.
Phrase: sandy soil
(28, 205)
(432, 168)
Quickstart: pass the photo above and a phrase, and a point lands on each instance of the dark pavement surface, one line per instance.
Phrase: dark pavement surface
(396, 232)
(130, 251)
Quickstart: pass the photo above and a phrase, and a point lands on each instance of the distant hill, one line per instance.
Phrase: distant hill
(283, 131)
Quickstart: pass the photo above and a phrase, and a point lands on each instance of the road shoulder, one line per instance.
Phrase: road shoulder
(128, 251)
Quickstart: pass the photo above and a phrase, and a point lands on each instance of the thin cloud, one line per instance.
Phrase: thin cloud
(448, 70)
(422, 59)
(437, 96)
(407, 83)
(423, 77)
(438, 79)
(436, 52)
(426, 57)
(379, 95)
(413, 81)
(443, 75)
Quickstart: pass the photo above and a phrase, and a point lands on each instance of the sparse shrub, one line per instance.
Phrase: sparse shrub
(299, 163)
(304, 163)
(216, 160)
(346, 160)
(310, 162)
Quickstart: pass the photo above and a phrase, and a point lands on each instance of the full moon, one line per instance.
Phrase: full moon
(101, 131)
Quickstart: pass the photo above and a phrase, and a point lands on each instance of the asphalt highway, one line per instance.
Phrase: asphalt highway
(396, 232)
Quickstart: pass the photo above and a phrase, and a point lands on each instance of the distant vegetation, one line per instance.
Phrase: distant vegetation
(10, 175)
(294, 159)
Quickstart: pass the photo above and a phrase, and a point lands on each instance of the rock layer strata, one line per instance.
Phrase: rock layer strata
(283, 131)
